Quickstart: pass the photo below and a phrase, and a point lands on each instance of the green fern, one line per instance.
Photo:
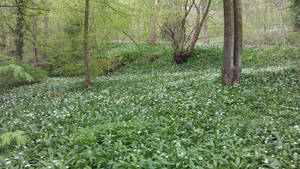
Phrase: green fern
(9, 137)
(17, 71)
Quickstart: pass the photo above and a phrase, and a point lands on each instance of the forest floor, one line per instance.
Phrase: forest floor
(153, 115)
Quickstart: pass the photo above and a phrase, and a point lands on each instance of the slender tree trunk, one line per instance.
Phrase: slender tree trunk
(86, 31)
(20, 29)
(205, 28)
(238, 40)
(34, 41)
(45, 55)
(265, 21)
(198, 26)
(153, 34)
(205, 33)
(3, 39)
(228, 50)
(282, 23)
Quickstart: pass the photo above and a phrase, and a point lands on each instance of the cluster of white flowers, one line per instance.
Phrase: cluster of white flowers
(169, 97)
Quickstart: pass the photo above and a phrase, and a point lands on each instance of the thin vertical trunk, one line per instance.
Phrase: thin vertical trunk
(205, 28)
(228, 50)
(34, 40)
(153, 34)
(198, 26)
(45, 55)
(259, 22)
(86, 31)
(3, 39)
(20, 29)
(265, 21)
(238, 40)
(282, 26)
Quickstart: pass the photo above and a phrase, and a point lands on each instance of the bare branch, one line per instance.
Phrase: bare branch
(190, 35)
(187, 12)
(199, 26)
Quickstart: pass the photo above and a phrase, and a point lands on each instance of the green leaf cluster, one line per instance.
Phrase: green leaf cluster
(13, 74)
(17, 136)
(16, 71)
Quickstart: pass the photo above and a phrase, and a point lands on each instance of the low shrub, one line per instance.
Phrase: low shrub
(16, 73)
(270, 55)
(105, 62)
(209, 54)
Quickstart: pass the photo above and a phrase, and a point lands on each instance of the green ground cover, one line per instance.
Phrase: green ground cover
(153, 115)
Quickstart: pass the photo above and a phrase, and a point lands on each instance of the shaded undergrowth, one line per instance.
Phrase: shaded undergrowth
(153, 115)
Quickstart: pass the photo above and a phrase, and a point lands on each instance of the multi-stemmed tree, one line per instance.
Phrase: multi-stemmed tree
(233, 42)
(184, 39)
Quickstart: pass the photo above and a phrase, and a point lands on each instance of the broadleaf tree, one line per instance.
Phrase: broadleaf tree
(233, 42)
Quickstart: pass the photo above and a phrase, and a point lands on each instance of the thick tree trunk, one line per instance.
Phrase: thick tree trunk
(20, 29)
(34, 40)
(238, 40)
(86, 31)
(228, 50)
(180, 58)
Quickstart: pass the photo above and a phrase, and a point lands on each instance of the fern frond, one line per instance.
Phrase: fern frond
(17, 71)
(18, 136)
(6, 139)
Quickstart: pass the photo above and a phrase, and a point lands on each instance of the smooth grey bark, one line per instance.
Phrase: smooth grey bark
(233, 42)
(238, 40)
(228, 49)
(86, 40)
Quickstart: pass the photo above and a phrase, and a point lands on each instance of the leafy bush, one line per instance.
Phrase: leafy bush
(209, 54)
(16, 71)
(17, 136)
(107, 61)
(270, 55)
(12, 74)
